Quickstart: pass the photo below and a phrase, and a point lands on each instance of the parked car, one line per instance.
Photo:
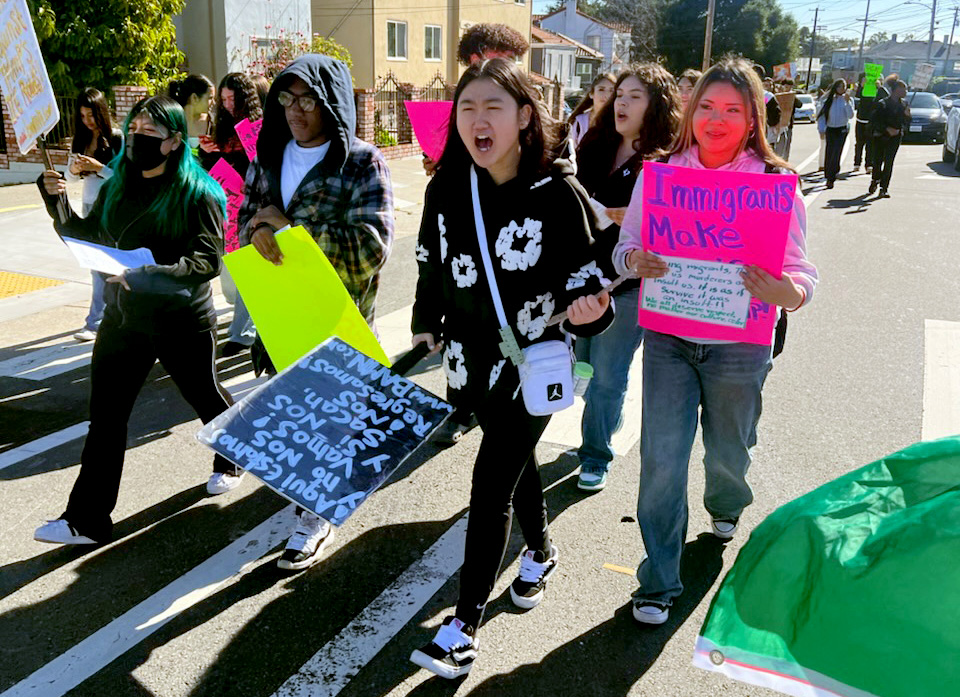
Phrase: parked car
(947, 100)
(951, 142)
(928, 120)
(807, 111)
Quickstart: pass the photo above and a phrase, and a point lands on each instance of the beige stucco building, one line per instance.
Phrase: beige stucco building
(413, 39)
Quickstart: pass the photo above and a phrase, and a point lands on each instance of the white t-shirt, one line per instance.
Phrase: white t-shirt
(297, 161)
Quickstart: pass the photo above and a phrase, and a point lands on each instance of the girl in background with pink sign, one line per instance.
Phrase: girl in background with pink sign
(723, 129)
(639, 123)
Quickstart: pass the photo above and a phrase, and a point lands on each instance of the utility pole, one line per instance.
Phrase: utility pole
(946, 61)
(708, 38)
(863, 37)
(813, 43)
(933, 17)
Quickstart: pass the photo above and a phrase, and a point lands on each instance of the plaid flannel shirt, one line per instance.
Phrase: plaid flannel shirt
(348, 213)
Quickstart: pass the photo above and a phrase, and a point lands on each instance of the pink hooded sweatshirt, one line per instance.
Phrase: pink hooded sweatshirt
(795, 263)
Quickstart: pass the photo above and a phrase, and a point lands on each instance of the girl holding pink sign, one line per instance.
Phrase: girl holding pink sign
(723, 129)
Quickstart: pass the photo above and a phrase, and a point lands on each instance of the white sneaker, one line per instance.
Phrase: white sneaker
(647, 612)
(222, 482)
(85, 335)
(305, 547)
(724, 528)
(452, 652)
(60, 532)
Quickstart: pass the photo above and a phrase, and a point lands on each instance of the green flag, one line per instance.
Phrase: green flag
(853, 589)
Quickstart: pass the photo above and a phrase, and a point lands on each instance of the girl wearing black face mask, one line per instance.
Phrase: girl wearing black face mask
(159, 198)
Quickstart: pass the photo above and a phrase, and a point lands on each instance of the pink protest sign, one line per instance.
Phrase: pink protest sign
(430, 121)
(707, 224)
(232, 184)
(248, 132)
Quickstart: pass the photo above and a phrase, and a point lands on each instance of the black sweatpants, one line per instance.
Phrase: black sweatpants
(864, 142)
(884, 150)
(122, 359)
(831, 163)
(506, 477)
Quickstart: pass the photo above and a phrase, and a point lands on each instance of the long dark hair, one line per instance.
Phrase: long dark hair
(246, 105)
(181, 90)
(94, 100)
(828, 102)
(739, 73)
(185, 181)
(537, 141)
(598, 149)
(587, 101)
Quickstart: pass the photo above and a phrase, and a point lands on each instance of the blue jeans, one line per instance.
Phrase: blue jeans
(97, 302)
(610, 354)
(725, 381)
(242, 330)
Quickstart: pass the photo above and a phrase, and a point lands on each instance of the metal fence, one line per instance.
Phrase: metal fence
(390, 122)
(436, 89)
(62, 133)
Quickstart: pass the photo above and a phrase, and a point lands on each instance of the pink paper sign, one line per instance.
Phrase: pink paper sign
(716, 216)
(430, 121)
(248, 132)
(232, 184)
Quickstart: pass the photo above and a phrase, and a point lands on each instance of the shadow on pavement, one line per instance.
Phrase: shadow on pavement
(944, 169)
(856, 205)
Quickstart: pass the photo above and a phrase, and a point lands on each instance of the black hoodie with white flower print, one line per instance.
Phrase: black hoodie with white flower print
(539, 232)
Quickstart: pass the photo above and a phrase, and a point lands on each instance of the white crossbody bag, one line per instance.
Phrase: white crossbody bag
(546, 368)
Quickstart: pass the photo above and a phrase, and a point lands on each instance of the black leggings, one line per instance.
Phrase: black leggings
(122, 359)
(834, 145)
(505, 477)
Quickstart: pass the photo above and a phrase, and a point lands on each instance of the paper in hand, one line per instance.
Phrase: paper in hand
(107, 259)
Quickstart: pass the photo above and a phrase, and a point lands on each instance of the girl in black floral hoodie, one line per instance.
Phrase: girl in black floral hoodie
(538, 231)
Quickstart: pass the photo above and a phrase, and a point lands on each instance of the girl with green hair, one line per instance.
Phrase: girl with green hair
(159, 198)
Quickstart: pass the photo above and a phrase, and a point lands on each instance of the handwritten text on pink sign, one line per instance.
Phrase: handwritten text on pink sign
(232, 184)
(724, 216)
(248, 132)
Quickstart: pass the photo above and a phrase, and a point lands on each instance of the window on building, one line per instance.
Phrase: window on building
(520, 2)
(895, 66)
(584, 69)
(593, 42)
(956, 67)
(396, 39)
(432, 46)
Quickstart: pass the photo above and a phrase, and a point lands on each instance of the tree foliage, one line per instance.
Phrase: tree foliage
(103, 43)
(758, 29)
(270, 60)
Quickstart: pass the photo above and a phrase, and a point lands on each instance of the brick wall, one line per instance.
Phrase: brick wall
(125, 97)
(365, 124)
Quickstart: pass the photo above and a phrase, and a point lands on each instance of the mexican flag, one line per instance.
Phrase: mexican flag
(851, 590)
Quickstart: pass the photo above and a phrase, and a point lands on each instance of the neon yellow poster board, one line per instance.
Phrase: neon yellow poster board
(299, 303)
(874, 72)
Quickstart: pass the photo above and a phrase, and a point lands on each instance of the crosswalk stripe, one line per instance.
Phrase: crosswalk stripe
(48, 442)
(68, 670)
(941, 379)
(334, 665)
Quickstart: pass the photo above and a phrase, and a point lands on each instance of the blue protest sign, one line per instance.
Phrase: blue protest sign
(328, 430)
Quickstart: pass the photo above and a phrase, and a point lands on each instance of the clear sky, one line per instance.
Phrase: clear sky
(840, 17)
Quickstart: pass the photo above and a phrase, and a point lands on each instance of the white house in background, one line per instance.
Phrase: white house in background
(611, 39)
(554, 57)
(218, 35)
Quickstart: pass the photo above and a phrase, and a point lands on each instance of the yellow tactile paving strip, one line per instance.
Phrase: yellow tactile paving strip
(17, 283)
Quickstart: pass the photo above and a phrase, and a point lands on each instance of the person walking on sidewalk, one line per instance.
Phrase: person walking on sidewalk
(95, 143)
(535, 231)
(719, 381)
(639, 123)
(159, 198)
(833, 122)
(890, 117)
(311, 170)
(585, 114)
(863, 146)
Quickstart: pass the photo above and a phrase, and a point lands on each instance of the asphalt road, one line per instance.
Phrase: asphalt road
(187, 601)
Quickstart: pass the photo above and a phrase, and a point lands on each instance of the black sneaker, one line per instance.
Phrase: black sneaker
(884, 193)
(452, 651)
(305, 547)
(873, 187)
(527, 588)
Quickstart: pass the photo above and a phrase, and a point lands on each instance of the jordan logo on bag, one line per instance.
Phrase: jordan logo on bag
(554, 392)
